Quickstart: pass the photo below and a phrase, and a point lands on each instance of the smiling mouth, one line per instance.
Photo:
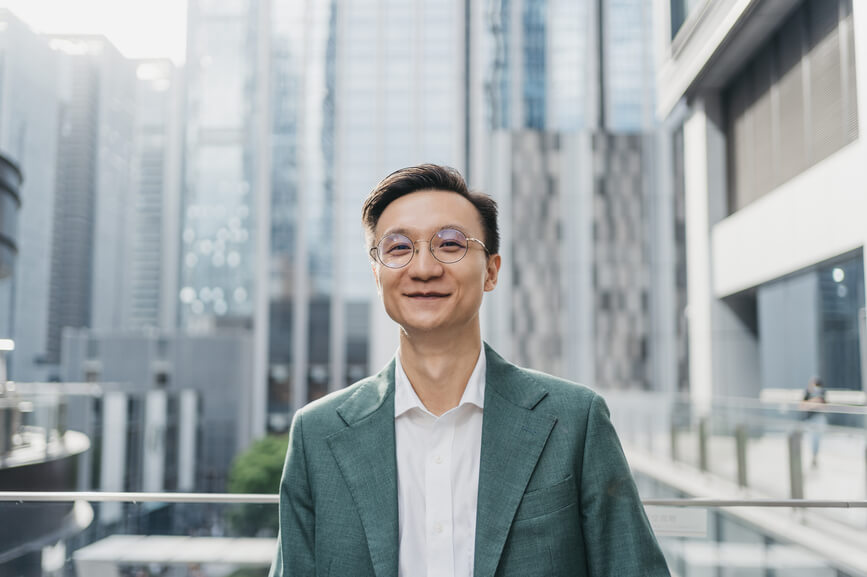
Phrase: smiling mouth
(427, 295)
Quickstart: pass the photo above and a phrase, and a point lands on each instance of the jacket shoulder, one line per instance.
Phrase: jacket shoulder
(321, 415)
(562, 391)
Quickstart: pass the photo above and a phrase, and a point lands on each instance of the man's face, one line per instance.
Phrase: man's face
(426, 295)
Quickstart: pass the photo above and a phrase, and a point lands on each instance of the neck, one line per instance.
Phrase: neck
(439, 366)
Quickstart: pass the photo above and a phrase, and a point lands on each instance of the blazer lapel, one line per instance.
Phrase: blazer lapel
(513, 437)
(365, 453)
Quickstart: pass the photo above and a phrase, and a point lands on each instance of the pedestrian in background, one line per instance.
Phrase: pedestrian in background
(817, 418)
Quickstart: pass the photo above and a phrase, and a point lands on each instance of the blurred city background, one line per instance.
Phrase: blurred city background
(182, 263)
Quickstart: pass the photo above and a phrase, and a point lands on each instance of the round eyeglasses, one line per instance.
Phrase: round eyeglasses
(447, 246)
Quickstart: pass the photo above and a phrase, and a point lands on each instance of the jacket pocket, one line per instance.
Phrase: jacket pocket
(547, 500)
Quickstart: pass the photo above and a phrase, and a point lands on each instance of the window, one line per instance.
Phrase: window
(794, 104)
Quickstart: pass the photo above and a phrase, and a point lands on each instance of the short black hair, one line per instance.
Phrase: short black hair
(429, 177)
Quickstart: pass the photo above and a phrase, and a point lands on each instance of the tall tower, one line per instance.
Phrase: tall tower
(400, 101)
(151, 296)
(94, 151)
(217, 219)
(562, 102)
(225, 195)
(28, 133)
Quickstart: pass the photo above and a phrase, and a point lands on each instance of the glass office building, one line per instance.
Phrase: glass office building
(150, 295)
(400, 101)
(28, 133)
(567, 98)
(218, 217)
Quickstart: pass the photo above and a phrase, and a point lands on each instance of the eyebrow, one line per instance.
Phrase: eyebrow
(409, 233)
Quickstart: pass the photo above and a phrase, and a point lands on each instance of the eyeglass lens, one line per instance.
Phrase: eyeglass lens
(447, 246)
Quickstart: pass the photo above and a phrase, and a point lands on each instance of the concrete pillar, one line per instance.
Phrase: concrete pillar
(859, 27)
(704, 145)
(153, 441)
(578, 323)
(663, 344)
(723, 342)
(254, 418)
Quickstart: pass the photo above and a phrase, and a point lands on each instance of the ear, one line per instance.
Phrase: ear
(492, 271)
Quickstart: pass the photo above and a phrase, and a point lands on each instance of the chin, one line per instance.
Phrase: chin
(419, 326)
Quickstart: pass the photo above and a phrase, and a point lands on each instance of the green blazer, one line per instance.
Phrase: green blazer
(555, 493)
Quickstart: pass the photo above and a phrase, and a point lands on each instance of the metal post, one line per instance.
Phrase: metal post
(862, 338)
(5, 429)
(702, 443)
(796, 470)
(62, 415)
(673, 438)
(741, 448)
(650, 435)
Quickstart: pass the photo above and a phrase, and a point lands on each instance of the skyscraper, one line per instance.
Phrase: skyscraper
(150, 299)
(10, 203)
(400, 100)
(28, 132)
(562, 101)
(225, 195)
(94, 148)
(219, 189)
(357, 89)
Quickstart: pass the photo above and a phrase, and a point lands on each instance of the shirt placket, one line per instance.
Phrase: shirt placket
(438, 499)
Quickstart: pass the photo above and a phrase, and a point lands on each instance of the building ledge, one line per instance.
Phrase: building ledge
(714, 44)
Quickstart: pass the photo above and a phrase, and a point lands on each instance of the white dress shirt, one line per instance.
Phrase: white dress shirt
(438, 478)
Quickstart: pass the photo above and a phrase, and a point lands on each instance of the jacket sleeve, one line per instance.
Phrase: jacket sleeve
(295, 540)
(617, 535)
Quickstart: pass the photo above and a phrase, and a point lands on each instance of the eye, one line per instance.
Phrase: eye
(395, 245)
(398, 249)
(450, 240)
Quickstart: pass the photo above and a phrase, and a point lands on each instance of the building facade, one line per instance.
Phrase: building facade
(159, 369)
(562, 133)
(400, 101)
(28, 132)
(10, 204)
(152, 209)
(226, 188)
(90, 229)
(353, 91)
(97, 134)
(762, 102)
(219, 193)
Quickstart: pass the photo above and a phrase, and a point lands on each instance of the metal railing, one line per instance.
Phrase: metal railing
(264, 498)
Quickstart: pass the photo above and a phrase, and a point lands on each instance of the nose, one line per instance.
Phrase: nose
(423, 265)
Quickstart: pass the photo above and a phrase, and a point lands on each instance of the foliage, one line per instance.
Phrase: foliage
(250, 572)
(257, 470)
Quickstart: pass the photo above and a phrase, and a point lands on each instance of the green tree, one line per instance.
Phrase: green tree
(257, 470)
(250, 572)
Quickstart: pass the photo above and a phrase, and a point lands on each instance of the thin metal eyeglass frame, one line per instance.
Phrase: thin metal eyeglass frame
(374, 251)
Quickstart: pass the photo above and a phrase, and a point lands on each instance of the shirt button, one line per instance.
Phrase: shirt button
(438, 460)
(438, 528)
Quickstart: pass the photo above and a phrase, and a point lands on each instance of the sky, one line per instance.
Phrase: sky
(139, 28)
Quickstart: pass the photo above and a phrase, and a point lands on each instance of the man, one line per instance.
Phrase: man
(451, 461)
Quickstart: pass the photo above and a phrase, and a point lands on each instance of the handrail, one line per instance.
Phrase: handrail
(722, 402)
(760, 503)
(262, 498)
(107, 496)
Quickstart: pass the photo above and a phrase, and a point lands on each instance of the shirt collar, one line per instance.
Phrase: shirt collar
(405, 397)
